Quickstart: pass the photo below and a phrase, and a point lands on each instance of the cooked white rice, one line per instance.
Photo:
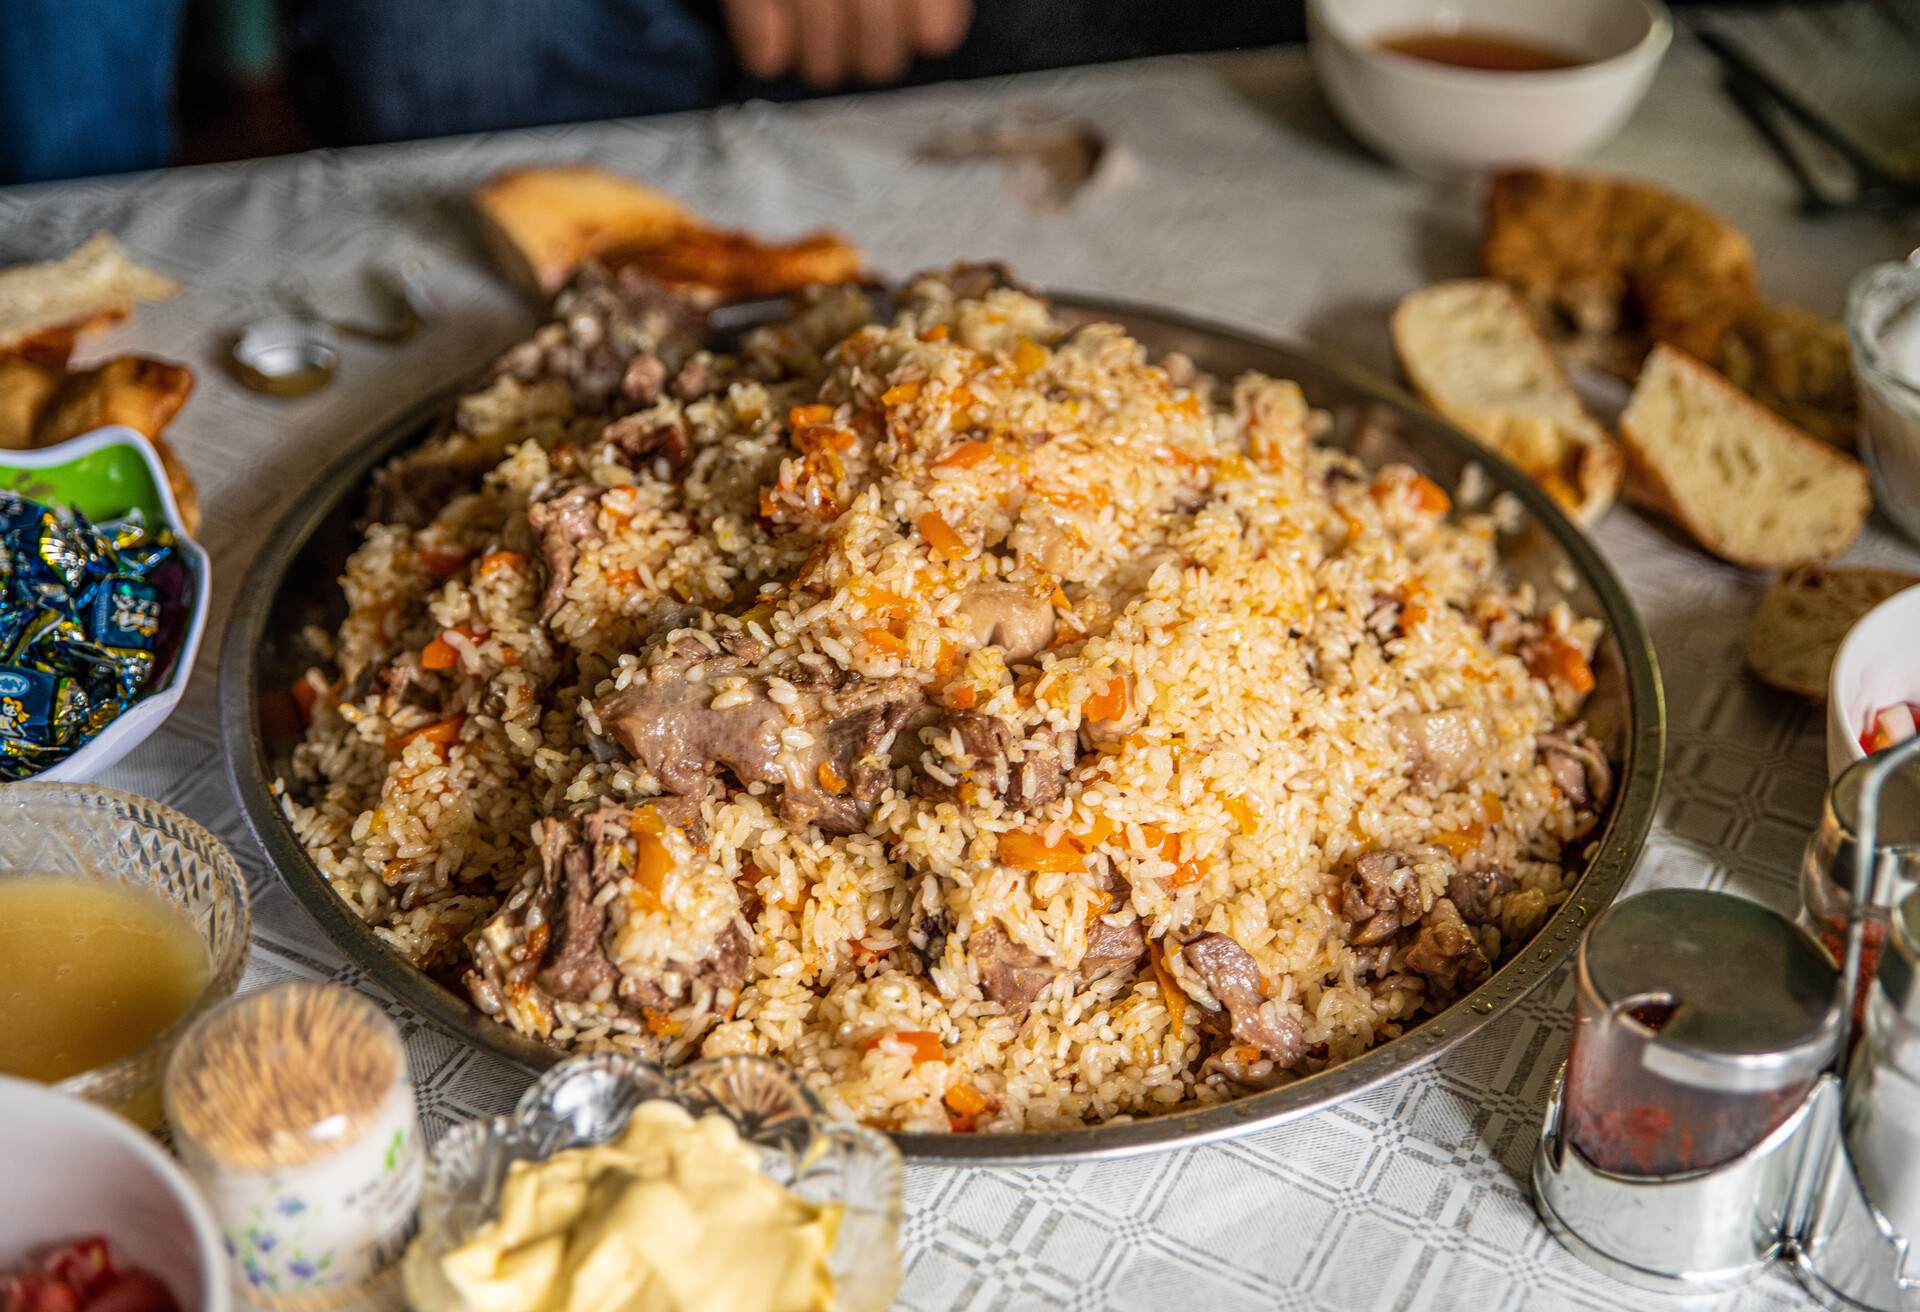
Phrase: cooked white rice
(1278, 619)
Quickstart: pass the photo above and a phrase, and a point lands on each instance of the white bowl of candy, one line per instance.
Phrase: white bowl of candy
(1873, 690)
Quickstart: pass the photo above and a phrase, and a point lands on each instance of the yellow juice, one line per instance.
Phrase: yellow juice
(90, 971)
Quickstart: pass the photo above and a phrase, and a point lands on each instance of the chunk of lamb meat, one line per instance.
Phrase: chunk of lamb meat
(722, 971)
(1472, 893)
(616, 334)
(1011, 974)
(414, 486)
(1381, 897)
(1112, 948)
(1025, 776)
(1447, 747)
(1445, 952)
(640, 440)
(562, 522)
(1579, 770)
(667, 722)
(1233, 978)
(570, 962)
(1005, 615)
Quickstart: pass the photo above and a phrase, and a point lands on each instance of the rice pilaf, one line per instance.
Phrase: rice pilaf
(1005, 731)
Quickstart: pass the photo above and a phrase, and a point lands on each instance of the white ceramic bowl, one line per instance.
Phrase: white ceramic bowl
(1440, 119)
(119, 484)
(73, 1170)
(1882, 305)
(1877, 665)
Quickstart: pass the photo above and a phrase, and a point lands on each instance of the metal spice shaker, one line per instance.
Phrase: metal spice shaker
(1858, 1252)
(294, 1111)
(1827, 868)
(1672, 1147)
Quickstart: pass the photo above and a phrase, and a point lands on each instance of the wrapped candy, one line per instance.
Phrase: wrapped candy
(80, 626)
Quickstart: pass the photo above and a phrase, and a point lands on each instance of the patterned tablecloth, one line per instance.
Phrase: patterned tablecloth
(1233, 195)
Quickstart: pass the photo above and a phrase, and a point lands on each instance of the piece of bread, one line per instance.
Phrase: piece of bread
(1804, 616)
(135, 390)
(1747, 485)
(1798, 365)
(1472, 352)
(1612, 266)
(737, 264)
(25, 389)
(44, 306)
(542, 223)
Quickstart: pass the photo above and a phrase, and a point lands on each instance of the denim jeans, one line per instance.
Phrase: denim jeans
(86, 86)
(387, 70)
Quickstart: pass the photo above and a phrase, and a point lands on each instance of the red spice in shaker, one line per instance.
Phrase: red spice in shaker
(1701, 1021)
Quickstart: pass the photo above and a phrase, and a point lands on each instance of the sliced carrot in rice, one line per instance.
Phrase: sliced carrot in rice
(1025, 851)
(940, 536)
(881, 640)
(922, 1045)
(964, 456)
(1170, 991)
(1110, 703)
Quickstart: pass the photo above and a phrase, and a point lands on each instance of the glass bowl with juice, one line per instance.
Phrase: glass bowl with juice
(120, 922)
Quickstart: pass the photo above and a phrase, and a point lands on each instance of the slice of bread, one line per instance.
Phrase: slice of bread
(97, 282)
(1806, 614)
(1613, 264)
(542, 223)
(1472, 352)
(1747, 485)
(1798, 365)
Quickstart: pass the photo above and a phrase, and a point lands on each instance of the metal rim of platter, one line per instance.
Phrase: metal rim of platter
(1375, 420)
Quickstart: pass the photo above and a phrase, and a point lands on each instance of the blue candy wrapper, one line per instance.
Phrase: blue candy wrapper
(80, 626)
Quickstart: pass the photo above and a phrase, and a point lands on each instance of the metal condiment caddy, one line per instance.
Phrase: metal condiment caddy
(1716, 1112)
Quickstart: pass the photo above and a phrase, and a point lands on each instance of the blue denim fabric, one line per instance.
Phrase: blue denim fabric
(387, 70)
(86, 86)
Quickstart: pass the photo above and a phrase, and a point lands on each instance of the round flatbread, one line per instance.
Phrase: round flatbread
(1805, 615)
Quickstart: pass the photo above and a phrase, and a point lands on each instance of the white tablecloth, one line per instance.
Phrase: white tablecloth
(1240, 200)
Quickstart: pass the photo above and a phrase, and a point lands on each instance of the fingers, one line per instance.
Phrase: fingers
(828, 41)
(939, 26)
(763, 35)
(826, 37)
(883, 38)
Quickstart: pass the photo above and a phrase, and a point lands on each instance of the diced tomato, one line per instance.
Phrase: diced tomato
(1892, 726)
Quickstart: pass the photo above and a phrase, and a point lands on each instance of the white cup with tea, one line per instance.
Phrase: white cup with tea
(1451, 86)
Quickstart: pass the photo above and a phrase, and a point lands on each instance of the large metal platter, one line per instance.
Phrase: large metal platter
(293, 583)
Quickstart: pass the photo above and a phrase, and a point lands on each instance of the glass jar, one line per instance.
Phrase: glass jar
(1701, 1021)
(1826, 868)
(294, 1111)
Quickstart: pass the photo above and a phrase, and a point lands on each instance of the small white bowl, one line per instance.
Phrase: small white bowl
(1877, 665)
(128, 730)
(1440, 119)
(73, 1170)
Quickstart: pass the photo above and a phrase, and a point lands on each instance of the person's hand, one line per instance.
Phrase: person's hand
(828, 41)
